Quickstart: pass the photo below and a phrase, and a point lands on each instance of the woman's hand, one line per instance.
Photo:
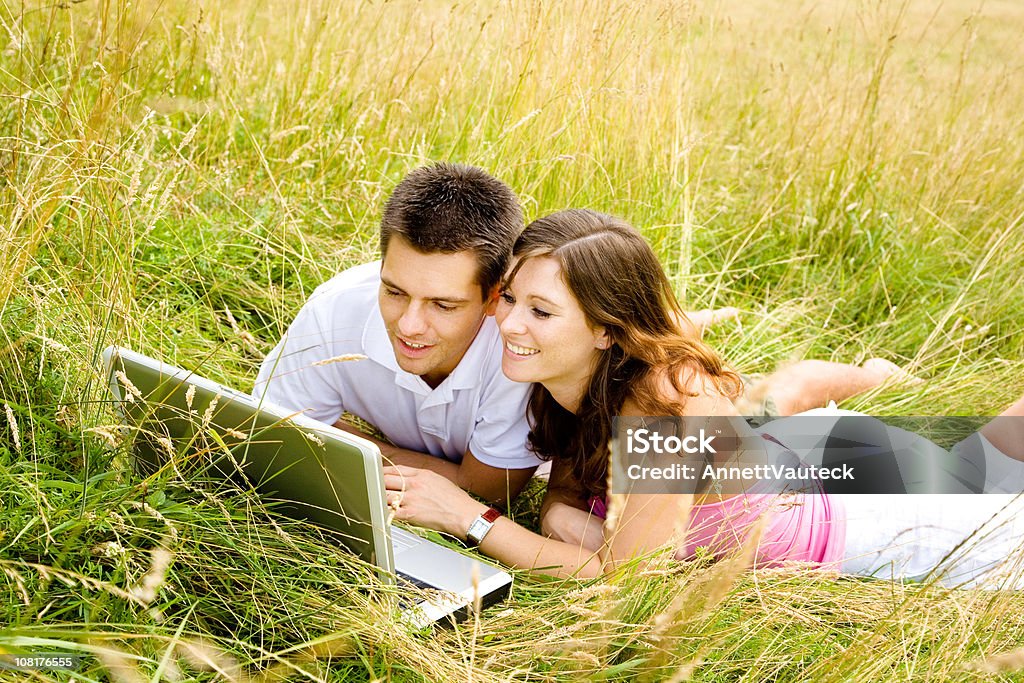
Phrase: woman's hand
(428, 499)
(573, 526)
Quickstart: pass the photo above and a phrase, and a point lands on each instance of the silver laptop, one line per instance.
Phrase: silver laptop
(310, 470)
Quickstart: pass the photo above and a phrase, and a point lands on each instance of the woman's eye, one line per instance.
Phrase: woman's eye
(507, 298)
(542, 314)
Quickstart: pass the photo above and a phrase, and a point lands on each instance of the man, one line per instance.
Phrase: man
(431, 378)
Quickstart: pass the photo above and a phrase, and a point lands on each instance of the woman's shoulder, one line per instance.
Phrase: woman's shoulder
(685, 386)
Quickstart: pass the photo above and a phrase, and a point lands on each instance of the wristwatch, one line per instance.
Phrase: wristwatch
(480, 526)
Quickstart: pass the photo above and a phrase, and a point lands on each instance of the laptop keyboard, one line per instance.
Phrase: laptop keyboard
(413, 580)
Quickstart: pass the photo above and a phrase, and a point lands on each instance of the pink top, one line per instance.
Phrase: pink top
(801, 527)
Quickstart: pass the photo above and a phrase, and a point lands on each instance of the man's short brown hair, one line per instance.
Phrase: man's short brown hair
(447, 208)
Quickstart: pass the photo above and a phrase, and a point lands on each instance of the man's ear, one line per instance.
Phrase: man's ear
(491, 302)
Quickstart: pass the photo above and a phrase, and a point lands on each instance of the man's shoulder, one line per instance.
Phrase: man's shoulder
(364, 276)
(356, 286)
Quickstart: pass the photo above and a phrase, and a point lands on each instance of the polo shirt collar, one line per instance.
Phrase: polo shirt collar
(467, 374)
(376, 344)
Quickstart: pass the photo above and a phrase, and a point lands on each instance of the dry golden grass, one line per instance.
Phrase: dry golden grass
(177, 177)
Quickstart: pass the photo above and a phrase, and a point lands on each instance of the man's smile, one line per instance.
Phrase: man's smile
(413, 349)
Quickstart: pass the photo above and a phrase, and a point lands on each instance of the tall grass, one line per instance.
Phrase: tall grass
(176, 177)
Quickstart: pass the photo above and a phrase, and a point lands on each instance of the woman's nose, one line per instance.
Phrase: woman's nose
(512, 321)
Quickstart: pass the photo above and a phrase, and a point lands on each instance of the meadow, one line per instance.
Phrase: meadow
(176, 177)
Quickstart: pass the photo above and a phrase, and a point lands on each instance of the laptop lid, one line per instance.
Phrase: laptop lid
(316, 471)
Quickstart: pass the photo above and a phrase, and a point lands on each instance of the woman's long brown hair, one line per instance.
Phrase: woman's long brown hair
(620, 285)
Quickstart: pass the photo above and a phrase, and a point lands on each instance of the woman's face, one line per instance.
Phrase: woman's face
(547, 336)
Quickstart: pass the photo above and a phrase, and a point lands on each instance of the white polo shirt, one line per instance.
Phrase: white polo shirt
(476, 408)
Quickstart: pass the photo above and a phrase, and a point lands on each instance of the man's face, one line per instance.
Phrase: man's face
(432, 307)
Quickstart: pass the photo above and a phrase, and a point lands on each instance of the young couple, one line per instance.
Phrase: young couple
(489, 348)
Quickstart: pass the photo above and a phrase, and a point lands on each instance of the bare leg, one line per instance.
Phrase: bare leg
(709, 317)
(813, 383)
(1006, 432)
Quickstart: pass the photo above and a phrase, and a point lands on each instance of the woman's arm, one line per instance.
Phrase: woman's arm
(637, 524)
(426, 498)
(565, 512)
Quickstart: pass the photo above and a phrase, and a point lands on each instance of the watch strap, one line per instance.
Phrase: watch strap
(480, 526)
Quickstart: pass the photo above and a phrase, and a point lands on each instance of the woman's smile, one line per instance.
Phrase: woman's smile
(520, 351)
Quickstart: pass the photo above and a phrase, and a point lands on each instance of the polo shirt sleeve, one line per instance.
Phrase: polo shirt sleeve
(499, 437)
(291, 378)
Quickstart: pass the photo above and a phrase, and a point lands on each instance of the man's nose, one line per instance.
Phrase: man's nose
(413, 321)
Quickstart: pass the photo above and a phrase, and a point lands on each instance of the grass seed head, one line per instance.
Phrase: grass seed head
(15, 435)
(145, 591)
(343, 358)
(133, 391)
(210, 409)
(1005, 662)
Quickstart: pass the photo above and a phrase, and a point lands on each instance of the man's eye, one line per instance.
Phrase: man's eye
(540, 313)
(444, 307)
(508, 298)
(392, 292)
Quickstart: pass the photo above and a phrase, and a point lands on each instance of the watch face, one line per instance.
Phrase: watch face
(481, 525)
(476, 529)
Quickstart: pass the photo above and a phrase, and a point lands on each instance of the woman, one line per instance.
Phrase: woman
(589, 316)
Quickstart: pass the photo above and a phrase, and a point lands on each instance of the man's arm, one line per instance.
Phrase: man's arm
(493, 484)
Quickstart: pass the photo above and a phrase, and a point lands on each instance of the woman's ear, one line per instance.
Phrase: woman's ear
(602, 340)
